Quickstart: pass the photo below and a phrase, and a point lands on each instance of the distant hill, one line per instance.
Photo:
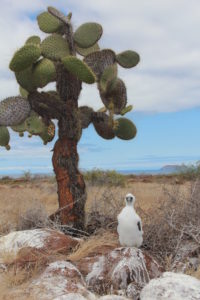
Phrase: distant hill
(165, 170)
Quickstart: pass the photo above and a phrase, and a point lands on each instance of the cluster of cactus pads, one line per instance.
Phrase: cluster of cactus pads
(37, 64)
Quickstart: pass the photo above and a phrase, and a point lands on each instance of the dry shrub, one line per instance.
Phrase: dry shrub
(17, 275)
(105, 206)
(36, 217)
(23, 215)
(172, 224)
(19, 196)
(15, 281)
(33, 217)
(94, 245)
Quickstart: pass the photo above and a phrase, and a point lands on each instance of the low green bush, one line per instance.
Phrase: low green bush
(99, 177)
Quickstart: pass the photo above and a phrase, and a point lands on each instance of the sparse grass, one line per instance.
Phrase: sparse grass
(7, 257)
(18, 198)
(195, 273)
(15, 277)
(15, 281)
(94, 245)
(19, 272)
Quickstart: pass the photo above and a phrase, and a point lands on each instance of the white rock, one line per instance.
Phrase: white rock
(72, 296)
(97, 270)
(172, 286)
(113, 297)
(75, 296)
(60, 281)
(44, 240)
(16, 240)
(131, 267)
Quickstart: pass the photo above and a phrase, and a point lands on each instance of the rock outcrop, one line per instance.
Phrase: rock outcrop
(106, 273)
(60, 280)
(31, 245)
(172, 286)
(123, 269)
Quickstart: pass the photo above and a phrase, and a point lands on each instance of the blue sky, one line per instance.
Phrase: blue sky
(164, 88)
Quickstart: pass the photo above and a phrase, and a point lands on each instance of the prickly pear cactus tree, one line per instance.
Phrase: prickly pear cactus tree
(57, 59)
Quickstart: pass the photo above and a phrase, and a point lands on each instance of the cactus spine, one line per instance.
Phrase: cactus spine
(13, 111)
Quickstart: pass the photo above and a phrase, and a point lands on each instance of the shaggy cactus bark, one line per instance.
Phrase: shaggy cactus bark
(54, 59)
(71, 185)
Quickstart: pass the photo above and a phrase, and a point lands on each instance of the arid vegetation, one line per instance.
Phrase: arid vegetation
(168, 205)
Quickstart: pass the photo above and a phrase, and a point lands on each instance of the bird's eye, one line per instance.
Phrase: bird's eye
(129, 199)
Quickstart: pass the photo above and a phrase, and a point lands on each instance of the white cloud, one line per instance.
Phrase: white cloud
(165, 33)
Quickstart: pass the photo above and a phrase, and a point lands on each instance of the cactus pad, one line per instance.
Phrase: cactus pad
(88, 34)
(85, 113)
(104, 127)
(78, 68)
(35, 124)
(55, 47)
(125, 129)
(126, 110)
(23, 92)
(14, 111)
(128, 59)
(44, 72)
(25, 57)
(34, 40)
(48, 133)
(115, 97)
(109, 74)
(86, 51)
(49, 23)
(98, 61)
(26, 80)
(4, 137)
(19, 128)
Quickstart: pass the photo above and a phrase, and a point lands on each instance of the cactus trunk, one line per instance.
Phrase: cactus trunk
(71, 186)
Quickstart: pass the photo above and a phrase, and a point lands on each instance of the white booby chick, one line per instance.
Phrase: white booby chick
(129, 225)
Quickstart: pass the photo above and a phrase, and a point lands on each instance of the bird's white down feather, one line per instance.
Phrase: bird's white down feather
(129, 233)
